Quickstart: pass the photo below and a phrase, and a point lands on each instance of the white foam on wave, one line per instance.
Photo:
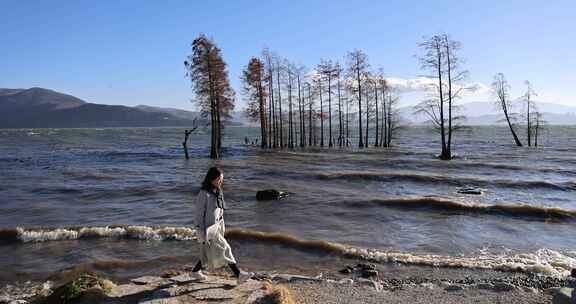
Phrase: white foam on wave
(543, 261)
(130, 232)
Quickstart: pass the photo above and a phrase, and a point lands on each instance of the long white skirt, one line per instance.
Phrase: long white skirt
(216, 252)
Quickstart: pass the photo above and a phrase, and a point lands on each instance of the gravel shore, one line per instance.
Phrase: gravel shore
(389, 284)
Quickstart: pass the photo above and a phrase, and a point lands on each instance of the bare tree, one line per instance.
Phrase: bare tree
(310, 105)
(279, 69)
(290, 83)
(338, 71)
(530, 108)
(539, 123)
(269, 68)
(214, 95)
(382, 85)
(357, 69)
(253, 79)
(441, 60)
(501, 89)
(367, 110)
(301, 104)
(321, 114)
(392, 117)
(329, 71)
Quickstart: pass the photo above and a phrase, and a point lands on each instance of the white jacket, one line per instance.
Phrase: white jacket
(215, 251)
(208, 216)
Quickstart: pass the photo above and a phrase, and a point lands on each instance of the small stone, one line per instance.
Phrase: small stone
(501, 286)
(427, 285)
(562, 296)
(363, 266)
(444, 284)
(377, 285)
(346, 281)
(488, 286)
(347, 270)
(530, 289)
(369, 273)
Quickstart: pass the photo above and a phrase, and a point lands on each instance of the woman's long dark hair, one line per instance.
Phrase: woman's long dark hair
(212, 174)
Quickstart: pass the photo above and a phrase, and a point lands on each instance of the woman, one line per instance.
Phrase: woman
(215, 250)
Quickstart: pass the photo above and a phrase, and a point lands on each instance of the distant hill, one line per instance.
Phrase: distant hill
(485, 113)
(237, 119)
(43, 108)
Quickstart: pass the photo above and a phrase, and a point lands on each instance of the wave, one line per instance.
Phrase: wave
(510, 210)
(543, 261)
(445, 179)
(118, 232)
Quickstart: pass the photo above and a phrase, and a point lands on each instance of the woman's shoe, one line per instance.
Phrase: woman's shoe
(244, 276)
(198, 276)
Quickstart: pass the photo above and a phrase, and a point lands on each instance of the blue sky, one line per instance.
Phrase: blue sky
(132, 52)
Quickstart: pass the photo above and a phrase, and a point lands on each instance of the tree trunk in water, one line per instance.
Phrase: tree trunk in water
(264, 140)
(444, 154)
(360, 142)
(536, 132)
(321, 115)
(340, 134)
(185, 143)
(377, 122)
(528, 121)
(281, 129)
(219, 124)
(330, 143)
(309, 116)
(449, 145)
(516, 140)
(367, 120)
(290, 134)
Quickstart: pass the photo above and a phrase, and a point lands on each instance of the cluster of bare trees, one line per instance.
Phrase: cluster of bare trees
(214, 95)
(533, 118)
(298, 108)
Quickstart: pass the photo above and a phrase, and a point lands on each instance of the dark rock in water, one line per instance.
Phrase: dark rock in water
(270, 194)
(573, 273)
(470, 190)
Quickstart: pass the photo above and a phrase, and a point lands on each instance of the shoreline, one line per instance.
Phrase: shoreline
(361, 283)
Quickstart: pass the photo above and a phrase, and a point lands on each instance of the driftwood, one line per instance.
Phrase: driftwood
(185, 142)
